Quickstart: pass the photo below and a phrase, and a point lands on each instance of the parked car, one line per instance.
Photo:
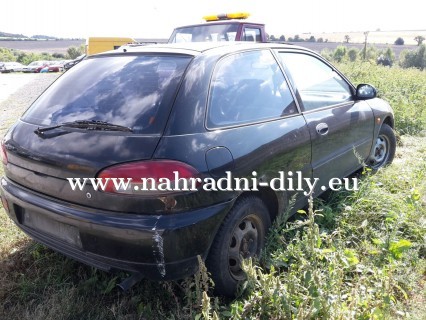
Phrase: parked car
(35, 66)
(7, 67)
(72, 63)
(55, 66)
(63, 62)
(199, 112)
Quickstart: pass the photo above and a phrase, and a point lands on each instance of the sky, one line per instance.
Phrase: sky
(157, 19)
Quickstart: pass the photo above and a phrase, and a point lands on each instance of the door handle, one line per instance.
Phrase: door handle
(322, 128)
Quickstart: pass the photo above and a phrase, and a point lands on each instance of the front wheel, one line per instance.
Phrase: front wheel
(384, 148)
(241, 236)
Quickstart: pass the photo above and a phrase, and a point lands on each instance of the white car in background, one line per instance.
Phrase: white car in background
(7, 67)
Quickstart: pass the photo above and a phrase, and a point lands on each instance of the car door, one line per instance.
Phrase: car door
(341, 128)
(252, 124)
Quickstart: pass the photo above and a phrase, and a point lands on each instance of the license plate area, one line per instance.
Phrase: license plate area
(55, 229)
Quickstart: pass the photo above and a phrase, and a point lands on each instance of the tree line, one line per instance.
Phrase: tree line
(399, 41)
(386, 57)
(13, 55)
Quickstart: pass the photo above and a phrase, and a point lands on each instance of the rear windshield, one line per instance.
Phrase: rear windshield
(135, 91)
(214, 32)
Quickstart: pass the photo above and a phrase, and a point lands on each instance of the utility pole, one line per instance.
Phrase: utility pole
(365, 44)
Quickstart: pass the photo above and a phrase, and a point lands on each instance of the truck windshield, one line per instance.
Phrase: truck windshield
(134, 91)
(214, 32)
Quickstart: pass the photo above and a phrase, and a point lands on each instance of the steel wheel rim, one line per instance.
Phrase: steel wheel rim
(381, 151)
(245, 242)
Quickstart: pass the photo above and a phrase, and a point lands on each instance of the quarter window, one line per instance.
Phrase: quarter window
(318, 85)
(248, 87)
(251, 34)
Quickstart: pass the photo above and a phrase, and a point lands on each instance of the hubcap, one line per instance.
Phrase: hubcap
(245, 243)
(380, 152)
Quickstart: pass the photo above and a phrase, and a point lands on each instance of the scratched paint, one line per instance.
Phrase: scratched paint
(159, 253)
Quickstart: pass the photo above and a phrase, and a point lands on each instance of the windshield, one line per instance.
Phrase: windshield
(134, 91)
(214, 32)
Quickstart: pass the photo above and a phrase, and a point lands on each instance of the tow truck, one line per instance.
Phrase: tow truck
(221, 27)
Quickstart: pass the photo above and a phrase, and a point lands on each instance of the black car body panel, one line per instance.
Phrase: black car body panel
(160, 246)
(171, 89)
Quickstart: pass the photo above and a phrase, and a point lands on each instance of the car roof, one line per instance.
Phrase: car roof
(197, 48)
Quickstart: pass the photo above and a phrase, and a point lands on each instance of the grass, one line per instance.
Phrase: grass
(404, 89)
(358, 255)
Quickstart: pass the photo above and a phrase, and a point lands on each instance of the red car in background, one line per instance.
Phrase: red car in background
(52, 66)
(44, 66)
(35, 66)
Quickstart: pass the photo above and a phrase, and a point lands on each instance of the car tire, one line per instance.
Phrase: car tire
(241, 235)
(384, 148)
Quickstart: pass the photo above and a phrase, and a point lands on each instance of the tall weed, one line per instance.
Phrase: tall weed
(404, 89)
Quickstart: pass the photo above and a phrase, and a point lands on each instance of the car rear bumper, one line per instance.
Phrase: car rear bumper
(160, 247)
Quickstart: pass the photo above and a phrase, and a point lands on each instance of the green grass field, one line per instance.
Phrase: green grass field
(355, 255)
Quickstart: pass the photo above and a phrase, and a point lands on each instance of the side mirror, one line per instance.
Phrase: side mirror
(365, 91)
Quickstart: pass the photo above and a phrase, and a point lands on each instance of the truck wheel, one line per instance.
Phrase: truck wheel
(384, 148)
(241, 236)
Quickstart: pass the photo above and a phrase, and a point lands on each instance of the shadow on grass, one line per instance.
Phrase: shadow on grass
(38, 283)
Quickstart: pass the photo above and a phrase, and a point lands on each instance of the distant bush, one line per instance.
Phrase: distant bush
(297, 38)
(339, 54)
(74, 52)
(419, 40)
(384, 61)
(342, 54)
(371, 54)
(327, 54)
(6, 55)
(414, 59)
(11, 55)
(58, 55)
(311, 39)
(353, 54)
(320, 40)
(386, 57)
(399, 41)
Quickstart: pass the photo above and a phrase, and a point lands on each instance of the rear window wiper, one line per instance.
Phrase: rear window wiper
(87, 125)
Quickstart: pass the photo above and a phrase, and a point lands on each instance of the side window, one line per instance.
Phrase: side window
(318, 85)
(251, 34)
(248, 87)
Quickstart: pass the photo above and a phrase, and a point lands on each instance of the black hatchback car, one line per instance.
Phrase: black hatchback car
(185, 112)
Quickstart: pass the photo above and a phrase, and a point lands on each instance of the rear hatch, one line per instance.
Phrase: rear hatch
(106, 110)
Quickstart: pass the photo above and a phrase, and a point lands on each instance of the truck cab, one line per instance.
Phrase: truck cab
(224, 27)
(101, 44)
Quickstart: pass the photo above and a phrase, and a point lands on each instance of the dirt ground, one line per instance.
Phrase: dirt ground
(17, 92)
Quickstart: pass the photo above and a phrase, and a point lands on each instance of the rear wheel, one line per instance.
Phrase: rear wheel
(241, 236)
(384, 148)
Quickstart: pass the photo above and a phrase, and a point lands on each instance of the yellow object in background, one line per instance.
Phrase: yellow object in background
(102, 44)
(227, 16)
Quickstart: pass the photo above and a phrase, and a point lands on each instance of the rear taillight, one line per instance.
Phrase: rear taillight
(155, 177)
(3, 153)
